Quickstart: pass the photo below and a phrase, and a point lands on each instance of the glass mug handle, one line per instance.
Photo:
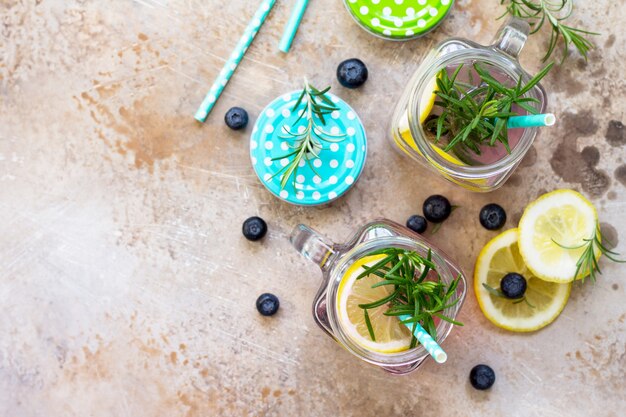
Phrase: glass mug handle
(512, 36)
(312, 245)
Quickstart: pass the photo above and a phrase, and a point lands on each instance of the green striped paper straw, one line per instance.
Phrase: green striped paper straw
(292, 25)
(531, 120)
(233, 61)
(426, 340)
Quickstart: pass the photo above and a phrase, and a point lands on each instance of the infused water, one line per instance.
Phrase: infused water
(469, 81)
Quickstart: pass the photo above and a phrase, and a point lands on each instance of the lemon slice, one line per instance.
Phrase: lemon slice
(564, 217)
(391, 335)
(428, 99)
(405, 132)
(499, 257)
(426, 106)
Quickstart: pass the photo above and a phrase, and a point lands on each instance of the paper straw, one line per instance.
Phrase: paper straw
(234, 60)
(532, 120)
(426, 340)
(292, 25)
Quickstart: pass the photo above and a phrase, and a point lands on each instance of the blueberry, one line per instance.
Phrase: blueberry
(254, 228)
(513, 285)
(437, 208)
(482, 377)
(267, 304)
(352, 73)
(236, 118)
(417, 224)
(492, 217)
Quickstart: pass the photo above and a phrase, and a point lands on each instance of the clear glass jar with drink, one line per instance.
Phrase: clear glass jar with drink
(483, 160)
(348, 286)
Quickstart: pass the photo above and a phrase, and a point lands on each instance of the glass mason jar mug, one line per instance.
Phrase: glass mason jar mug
(489, 168)
(336, 259)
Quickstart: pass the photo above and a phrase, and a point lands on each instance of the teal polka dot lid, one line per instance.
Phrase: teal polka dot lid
(399, 19)
(324, 178)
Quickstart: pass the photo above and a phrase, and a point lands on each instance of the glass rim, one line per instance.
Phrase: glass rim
(511, 68)
(410, 356)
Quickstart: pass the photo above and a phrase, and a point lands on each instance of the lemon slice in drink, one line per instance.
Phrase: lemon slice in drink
(564, 217)
(499, 257)
(428, 99)
(426, 106)
(391, 335)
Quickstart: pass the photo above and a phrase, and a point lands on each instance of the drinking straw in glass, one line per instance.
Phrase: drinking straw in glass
(233, 61)
(292, 25)
(531, 120)
(426, 340)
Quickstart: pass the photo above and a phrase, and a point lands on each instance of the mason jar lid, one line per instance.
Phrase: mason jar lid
(321, 179)
(399, 19)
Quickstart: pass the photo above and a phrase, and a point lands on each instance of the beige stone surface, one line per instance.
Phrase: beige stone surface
(126, 286)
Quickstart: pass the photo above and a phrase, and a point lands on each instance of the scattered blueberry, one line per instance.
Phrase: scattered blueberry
(236, 118)
(254, 228)
(492, 217)
(482, 377)
(352, 73)
(513, 285)
(437, 208)
(417, 224)
(267, 304)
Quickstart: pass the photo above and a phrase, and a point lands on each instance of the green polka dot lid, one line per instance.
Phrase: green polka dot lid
(399, 19)
(324, 178)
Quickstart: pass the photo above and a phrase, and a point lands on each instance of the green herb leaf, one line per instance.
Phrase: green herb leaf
(475, 116)
(307, 144)
(498, 293)
(588, 262)
(378, 303)
(535, 80)
(406, 272)
(368, 323)
(555, 12)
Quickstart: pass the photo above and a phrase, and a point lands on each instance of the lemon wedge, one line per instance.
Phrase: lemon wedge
(391, 335)
(547, 299)
(556, 220)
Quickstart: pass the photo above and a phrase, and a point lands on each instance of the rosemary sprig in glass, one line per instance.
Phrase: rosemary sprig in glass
(307, 143)
(588, 261)
(475, 116)
(413, 291)
(555, 12)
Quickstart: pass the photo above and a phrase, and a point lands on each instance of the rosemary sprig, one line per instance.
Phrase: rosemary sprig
(555, 12)
(588, 261)
(476, 116)
(500, 294)
(307, 143)
(413, 291)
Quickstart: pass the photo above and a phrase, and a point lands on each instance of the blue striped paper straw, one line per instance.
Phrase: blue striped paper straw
(426, 340)
(292, 25)
(233, 61)
(531, 120)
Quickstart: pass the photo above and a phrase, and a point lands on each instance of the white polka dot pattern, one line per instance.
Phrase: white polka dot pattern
(319, 179)
(399, 19)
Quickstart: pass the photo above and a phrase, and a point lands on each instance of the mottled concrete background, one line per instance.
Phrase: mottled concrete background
(126, 287)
